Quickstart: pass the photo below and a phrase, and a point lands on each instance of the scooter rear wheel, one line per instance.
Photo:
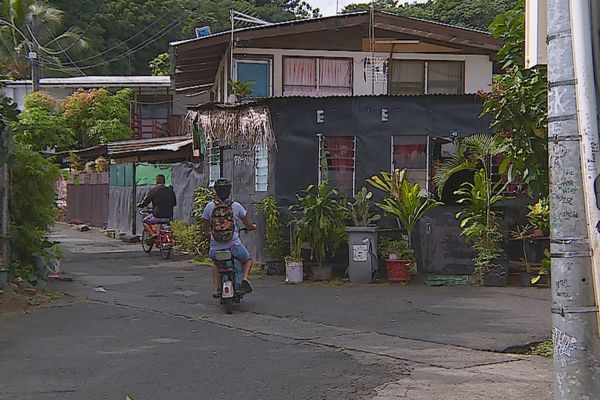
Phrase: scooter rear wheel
(147, 247)
(228, 303)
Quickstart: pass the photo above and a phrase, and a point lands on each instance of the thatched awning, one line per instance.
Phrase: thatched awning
(242, 125)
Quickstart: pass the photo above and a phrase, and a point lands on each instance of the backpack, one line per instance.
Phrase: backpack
(222, 223)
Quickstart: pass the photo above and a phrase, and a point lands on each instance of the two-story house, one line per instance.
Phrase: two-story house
(345, 97)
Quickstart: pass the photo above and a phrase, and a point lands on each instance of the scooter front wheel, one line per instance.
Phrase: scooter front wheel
(166, 252)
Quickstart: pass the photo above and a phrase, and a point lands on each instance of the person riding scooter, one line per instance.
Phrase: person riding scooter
(219, 220)
(163, 200)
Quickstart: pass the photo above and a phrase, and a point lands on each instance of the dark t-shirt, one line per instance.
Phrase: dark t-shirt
(163, 200)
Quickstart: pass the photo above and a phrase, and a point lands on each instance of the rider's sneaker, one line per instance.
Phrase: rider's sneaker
(216, 295)
(150, 240)
(247, 286)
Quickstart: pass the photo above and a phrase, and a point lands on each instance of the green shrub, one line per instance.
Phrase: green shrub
(189, 238)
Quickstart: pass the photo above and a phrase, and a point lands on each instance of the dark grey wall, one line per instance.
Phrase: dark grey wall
(296, 128)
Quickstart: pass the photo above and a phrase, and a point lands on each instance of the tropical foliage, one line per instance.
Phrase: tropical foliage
(160, 65)
(467, 13)
(360, 209)
(518, 106)
(404, 200)
(273, 227)
(24, 22)
(323, 220)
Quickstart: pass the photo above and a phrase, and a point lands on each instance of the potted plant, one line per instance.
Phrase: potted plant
(542, 278)
(322, 225)
(294, 265)
(404, 200)
(523, 234)
(398, 258)
(273, 235)
(362, 238)
(539, 217)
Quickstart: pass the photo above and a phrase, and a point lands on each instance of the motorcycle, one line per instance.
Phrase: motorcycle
(230, 278)
(164, 240)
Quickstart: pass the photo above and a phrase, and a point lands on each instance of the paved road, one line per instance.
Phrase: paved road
(156, 333)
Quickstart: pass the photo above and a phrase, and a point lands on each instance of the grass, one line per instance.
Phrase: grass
(543, 349)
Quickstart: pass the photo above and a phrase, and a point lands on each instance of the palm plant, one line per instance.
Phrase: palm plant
(23, 22)
(479, 222)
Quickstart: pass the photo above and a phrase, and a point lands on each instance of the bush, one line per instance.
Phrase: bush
(189, 238)
(33, 204)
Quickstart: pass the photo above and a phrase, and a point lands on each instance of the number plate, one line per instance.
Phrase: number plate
(227, 290)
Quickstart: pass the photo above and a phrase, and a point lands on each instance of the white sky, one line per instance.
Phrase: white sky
(328, 6)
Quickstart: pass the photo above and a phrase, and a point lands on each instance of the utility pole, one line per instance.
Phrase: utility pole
(34, 57)
(5, 199)
(574, 327)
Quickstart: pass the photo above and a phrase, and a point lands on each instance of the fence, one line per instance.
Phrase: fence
(87, 199)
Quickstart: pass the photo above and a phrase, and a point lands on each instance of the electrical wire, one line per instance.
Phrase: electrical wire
(87, 28)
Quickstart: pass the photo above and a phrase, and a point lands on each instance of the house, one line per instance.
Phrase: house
(336, 98)
(156, 111)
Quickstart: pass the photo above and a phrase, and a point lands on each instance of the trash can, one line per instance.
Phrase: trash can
(362, 251)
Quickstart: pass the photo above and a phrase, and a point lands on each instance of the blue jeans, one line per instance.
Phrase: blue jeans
(240, 255)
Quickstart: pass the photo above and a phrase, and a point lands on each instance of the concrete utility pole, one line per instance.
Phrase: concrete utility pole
(34, 57)
(5, 199)
(574, 327)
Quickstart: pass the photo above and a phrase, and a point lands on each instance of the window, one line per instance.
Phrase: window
(261, 169)
(407, 77)
(310, 76)
(214, 163)
(257, 71)
(445, 77)
(337, 162)
(426, 77)
(411, 152)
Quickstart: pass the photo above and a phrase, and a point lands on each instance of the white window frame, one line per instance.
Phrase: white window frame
(261, 153)
(320, 137)
(214, 167)
(427, 165)
(269, 62)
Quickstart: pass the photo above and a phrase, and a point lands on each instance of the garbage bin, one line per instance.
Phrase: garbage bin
(362, 251)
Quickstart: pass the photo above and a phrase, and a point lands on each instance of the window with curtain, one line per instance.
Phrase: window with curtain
(410, 152)
(261, 169)
(337, 161)
(214, 163)
(311, 76)
(445, 77)
(407, 77)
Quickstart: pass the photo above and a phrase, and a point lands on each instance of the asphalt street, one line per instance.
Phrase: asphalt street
(156, 333)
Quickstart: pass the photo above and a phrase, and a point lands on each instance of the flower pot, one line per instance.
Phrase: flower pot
(526, 279)
(362, 249)
(275, 267)
(3, 277)
(322, 273)
(496, 275)
(398, 270)
(294, 272)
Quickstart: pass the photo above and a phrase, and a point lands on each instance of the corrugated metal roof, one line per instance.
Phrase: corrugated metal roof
(169, 147)
(129, 146)
(100, 81)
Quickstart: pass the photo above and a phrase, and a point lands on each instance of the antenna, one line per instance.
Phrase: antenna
(240, 16)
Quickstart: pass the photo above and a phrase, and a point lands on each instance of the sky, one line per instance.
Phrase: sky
(328, 6)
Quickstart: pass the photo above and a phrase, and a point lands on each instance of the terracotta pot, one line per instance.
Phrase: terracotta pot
(398, 270)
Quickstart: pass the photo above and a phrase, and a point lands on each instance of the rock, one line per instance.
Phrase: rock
(131, 239)
(30, 291)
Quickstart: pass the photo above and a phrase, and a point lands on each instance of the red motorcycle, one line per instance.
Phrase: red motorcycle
(163, 237)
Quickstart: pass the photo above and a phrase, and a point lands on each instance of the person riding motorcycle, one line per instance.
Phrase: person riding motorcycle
(163, 200)
(222, 189)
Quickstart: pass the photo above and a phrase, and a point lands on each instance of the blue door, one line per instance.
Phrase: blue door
(257, 72)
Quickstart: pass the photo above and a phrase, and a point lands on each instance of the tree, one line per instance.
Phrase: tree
(468, 13)
(96, 116)
(26, 21)
(43, 124)
(517, 106)
(160, 65)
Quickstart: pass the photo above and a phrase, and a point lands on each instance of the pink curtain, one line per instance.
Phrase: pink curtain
(299, 76)
(335, 77)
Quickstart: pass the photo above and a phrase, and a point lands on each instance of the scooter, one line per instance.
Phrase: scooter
(230, 278)
(164, 240)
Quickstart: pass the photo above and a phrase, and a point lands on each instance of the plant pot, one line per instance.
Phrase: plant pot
(537, 233)
(294, 271)
(496, 275)
(275, 267)
(362, 249)
(526, 279)
(3, 277)
(398, 270)
(322, 273)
